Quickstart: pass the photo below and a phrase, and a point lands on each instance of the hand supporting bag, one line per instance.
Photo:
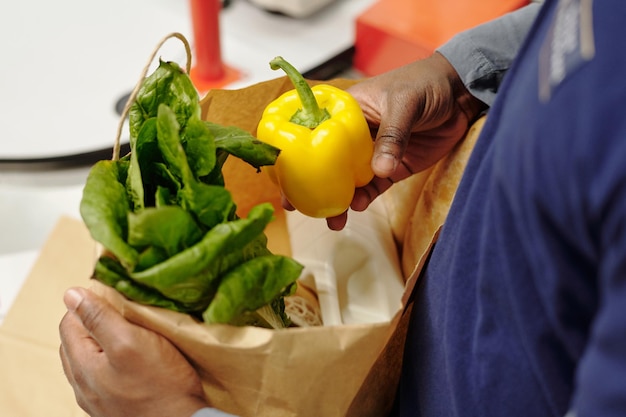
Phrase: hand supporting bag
(338, 370)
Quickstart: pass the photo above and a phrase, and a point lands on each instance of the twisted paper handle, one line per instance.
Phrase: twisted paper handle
(144, 73)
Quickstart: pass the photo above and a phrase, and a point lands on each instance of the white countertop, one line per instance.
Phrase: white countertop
(67, 62)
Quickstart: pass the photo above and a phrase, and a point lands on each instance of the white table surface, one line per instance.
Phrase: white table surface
(66, 62)
(31, 203)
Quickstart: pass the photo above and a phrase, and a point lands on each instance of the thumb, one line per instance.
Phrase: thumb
(103, 322)
(392, 138)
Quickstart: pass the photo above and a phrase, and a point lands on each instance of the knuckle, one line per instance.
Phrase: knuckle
(392, 136)
(91, 317)
(129, 348)
(391, 140)
(123, 348)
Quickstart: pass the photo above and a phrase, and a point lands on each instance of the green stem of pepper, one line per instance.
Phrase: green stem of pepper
(310, 115)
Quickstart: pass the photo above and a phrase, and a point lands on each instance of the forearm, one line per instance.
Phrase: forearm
(482, 55)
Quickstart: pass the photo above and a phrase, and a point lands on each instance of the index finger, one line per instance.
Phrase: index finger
(77, 347)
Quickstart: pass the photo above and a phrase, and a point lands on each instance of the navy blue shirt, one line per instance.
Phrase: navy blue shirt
(522, 310)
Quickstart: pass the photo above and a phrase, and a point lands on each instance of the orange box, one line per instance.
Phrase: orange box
(392, 33)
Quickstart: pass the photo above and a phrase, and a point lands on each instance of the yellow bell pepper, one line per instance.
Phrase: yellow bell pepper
(325, 145)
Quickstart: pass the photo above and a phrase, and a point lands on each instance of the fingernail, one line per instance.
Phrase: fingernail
(385, 163)
(72, 299)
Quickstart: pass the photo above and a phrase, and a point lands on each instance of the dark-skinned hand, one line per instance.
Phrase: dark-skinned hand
(119, 369)
(417, 114)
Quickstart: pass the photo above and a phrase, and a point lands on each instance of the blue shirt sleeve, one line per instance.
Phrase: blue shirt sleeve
(482, 55)
(211, 412)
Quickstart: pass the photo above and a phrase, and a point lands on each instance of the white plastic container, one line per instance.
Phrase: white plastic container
(355, 272)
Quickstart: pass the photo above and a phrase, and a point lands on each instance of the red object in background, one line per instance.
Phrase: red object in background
(208, 71)
(392, 33)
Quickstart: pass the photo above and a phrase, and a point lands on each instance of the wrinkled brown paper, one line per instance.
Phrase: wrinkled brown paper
(349, 370)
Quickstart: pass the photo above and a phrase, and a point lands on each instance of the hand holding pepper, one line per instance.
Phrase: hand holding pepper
(420, 111)
(325, 142)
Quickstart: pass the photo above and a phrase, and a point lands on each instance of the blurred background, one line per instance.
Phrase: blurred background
(69, 65)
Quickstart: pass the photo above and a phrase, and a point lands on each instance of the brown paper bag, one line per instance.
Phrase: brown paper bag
(346, 370)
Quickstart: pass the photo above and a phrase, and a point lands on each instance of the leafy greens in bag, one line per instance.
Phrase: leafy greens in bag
(168, 223)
